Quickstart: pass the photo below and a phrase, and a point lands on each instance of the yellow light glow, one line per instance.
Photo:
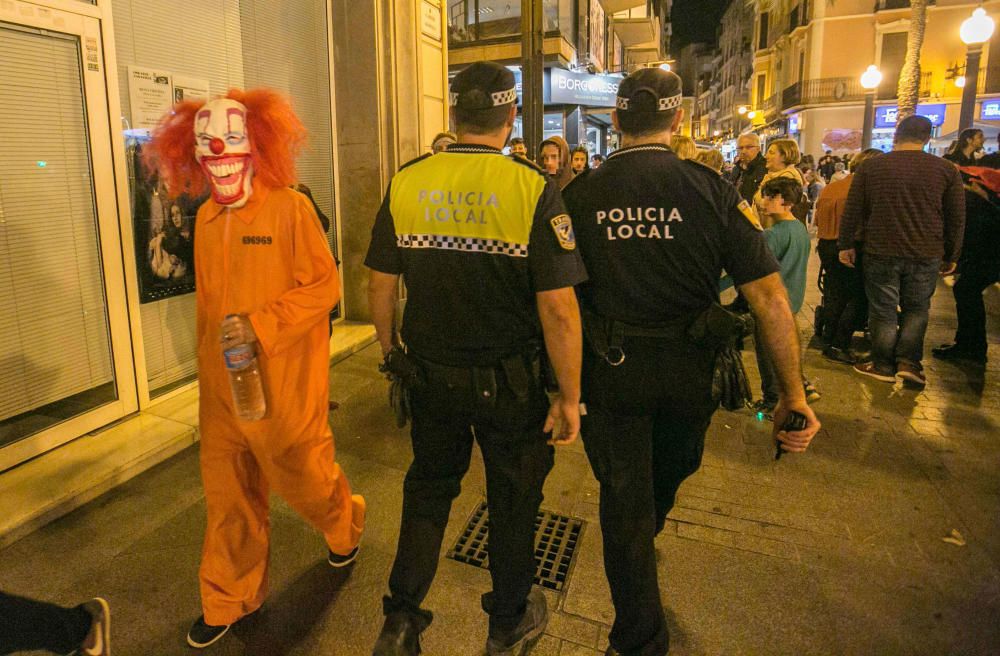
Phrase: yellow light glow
(960, 81)
(742, 109)
(751, 115)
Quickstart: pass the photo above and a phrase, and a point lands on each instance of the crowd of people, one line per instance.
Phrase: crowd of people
(544, 301)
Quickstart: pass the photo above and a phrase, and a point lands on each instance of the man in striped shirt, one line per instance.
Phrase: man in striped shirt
(907, 211)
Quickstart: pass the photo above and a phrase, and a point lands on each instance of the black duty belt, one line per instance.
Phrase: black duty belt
(521, 371)
(607, 336)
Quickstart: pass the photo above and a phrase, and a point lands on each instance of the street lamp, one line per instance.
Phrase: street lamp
(742, 109)
(975, 31)
(870, 79)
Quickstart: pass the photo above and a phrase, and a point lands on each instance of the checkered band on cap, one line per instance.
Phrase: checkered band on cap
(662, 104)
(666, 104)
(504, 97)
(464, 244)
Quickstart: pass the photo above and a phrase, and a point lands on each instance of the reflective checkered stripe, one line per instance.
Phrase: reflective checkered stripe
(463, 244)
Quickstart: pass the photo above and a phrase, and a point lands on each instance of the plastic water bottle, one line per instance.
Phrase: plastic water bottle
(245, 382)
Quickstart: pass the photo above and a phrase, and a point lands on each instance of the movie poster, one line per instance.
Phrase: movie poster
(164, 237)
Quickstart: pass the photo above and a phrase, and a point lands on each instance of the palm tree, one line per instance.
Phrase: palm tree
(909, 77)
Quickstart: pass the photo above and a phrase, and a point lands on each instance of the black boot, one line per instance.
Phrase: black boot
(959, 352)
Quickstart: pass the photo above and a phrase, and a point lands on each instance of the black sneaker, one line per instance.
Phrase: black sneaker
(528, 631)
(336, 560)
(834, 354)
(400, 636)
(202, 635)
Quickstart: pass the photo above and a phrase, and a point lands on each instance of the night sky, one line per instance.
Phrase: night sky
(695, 20)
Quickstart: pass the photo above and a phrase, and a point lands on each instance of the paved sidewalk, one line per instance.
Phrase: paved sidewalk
(839, 551)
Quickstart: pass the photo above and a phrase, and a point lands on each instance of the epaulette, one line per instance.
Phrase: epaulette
(415, 160)
(524, 161)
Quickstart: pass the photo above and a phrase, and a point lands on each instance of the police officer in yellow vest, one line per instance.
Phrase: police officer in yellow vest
(489, 259)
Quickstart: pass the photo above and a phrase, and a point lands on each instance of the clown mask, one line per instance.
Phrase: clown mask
(222, 147)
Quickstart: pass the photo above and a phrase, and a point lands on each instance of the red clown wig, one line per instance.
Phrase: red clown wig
(276, 137)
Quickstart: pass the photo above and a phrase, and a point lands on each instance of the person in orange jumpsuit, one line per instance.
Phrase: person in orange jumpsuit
(264, 276)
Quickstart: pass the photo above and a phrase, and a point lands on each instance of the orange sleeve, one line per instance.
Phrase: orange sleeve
(283, 322)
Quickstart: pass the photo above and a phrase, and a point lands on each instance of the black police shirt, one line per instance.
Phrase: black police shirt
(656, 233)
(475, 234)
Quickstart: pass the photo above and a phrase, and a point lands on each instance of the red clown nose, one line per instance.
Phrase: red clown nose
(217, 146)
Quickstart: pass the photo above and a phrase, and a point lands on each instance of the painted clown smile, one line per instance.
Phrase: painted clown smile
(227, 173)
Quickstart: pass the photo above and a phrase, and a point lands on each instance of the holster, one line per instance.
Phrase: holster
(722, 331)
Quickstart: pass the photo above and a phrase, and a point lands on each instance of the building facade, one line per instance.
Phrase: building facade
(588, 46)
(97, 329)
(809, 56)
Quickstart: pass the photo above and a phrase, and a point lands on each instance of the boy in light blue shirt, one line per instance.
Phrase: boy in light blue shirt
(788, 240)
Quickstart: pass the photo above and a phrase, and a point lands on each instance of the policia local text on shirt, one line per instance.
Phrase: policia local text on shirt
(487, 252)
(655, 234)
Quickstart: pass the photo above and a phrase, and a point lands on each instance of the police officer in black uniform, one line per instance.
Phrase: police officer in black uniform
(655, 233)
(487, 252)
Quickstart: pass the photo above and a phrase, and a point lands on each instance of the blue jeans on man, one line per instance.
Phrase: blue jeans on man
(907, 285)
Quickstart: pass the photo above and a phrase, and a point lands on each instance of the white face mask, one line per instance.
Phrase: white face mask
(222, 147)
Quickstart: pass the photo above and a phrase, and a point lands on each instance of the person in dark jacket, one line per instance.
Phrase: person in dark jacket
(750, 166)
(970, 142)
(978, 267)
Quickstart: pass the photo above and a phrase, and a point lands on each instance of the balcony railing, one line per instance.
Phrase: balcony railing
(835, 90)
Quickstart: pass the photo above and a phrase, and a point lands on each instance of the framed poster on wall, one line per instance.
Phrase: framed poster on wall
(164, 236)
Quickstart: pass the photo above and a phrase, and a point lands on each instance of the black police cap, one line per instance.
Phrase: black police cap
(483, 85)
(649, 90)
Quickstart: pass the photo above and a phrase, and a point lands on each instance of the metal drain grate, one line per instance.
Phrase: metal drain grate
(556, 539)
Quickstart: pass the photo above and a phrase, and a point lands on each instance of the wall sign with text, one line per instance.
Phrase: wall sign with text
(886, 117)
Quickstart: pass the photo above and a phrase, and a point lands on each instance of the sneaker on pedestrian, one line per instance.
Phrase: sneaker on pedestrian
(959, 352)
(336, 560)
(764, 407)
(202, 635)
(520, 641)
(834, 354)
(868, 369)
(98, 641)
(911, 375)
(400, 636)
(812, 394)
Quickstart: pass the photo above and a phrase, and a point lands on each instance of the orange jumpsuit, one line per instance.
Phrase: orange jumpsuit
(268, 259)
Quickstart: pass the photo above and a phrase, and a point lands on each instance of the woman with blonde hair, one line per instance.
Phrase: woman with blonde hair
(781, 158)
(683, 146)
(711, 158)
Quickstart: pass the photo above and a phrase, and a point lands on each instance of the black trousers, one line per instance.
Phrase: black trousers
(27, 625)
(977, 274)
(644, 433)
(447, 414)
(844, 298)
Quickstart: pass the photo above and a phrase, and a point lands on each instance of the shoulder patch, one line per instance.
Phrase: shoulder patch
(563, 227)
(415, 160)
(527, 162)
(749, 214)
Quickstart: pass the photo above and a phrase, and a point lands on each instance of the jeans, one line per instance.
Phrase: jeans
(27, 625)
(976, 276)
(892, 282)
(844, 300)
(447, 414)
(644, 433)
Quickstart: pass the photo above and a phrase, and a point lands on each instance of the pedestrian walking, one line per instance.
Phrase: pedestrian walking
(579, 160)
(907, 208)
(969, 145)
(29, 625)
(266, 283)
(554, 159)
(978, 267)
(647, 385)
(844, 301)
(489, 271)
